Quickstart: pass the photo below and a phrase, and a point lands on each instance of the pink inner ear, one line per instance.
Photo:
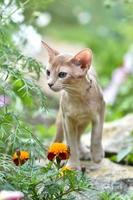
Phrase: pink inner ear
(84, 57)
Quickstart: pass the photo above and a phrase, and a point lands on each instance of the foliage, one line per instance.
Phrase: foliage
(17, 84)
(115, 196)
(124, 153)
(40, 182)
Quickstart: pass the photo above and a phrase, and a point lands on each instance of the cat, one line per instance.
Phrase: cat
(81, 102)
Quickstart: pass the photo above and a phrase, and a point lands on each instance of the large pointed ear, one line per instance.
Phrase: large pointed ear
(51, 52)
(83, 59)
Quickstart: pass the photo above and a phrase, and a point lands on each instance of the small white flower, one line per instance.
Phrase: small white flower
(17, 16)
(15, 13)
(43, 19)
(32, 38)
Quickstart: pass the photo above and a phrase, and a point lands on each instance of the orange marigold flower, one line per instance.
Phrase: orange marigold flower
(20, 157)
(59, 150)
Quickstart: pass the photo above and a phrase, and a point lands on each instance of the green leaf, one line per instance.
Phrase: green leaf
(123, 153)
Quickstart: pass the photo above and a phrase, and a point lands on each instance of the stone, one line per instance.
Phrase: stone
(115, 134)
(109, 177)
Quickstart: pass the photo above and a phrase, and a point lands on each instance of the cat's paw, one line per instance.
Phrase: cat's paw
(97, 154)
(84, 153)
(94, 166)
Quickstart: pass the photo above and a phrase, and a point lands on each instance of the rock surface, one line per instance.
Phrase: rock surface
(109, 170)
(108, 177)
(111, 177)
(115, 134)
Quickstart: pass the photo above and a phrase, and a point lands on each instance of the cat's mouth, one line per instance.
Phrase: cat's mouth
(55, 89)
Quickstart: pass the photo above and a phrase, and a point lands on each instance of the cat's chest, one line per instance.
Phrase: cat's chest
(77, 108)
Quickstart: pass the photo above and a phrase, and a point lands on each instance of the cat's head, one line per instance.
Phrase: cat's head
(65, 70)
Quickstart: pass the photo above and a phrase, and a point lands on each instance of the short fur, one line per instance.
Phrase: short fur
(81, 103)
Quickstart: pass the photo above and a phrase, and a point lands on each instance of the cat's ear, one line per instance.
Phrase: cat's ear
(83, 59)
(51, 52)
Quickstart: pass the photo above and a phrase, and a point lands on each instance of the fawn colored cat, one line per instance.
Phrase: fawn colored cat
(81, 102)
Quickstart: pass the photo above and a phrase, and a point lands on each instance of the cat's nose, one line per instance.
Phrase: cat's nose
(50, 84)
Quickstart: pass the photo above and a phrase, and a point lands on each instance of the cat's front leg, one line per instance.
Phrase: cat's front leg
(70, 133)
(97, 152)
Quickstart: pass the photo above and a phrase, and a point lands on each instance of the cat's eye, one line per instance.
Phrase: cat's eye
(48, 72)
(62, 74)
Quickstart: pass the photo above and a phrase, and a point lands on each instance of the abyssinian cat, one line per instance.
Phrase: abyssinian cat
(81, 102)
